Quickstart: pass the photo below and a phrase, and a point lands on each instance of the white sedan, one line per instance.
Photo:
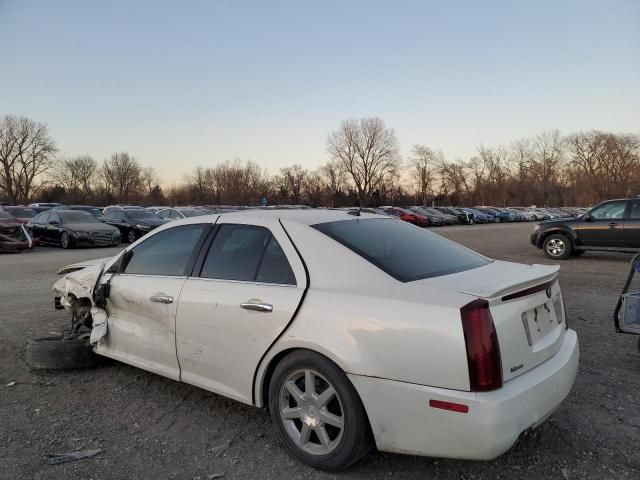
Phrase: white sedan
(353, 330)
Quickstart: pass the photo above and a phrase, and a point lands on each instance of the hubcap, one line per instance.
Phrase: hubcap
(132, 236)
(311, 412)
(65, 240)
(555, 247)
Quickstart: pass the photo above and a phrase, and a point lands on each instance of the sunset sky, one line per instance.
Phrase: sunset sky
(181, 84)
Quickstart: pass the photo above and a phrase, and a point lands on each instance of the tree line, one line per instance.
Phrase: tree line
(364, 167)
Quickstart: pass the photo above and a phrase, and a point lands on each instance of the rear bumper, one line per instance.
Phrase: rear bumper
(403, 422)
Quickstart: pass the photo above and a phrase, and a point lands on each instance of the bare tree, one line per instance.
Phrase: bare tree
(422, 160)
(367, 151)
(26, 152)
(150, 180)
(121, 175)
(77, 175)
(294, 178)
(548, 149)
(334, 179)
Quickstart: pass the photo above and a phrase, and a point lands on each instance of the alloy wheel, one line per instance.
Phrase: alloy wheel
(64, 240)
(311, 412)
(556, 247)
(131, 236)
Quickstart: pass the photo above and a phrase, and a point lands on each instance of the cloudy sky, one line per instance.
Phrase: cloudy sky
(183, 83)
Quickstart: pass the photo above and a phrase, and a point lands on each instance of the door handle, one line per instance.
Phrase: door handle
(613, 224)
(257, 306)
(161, 299)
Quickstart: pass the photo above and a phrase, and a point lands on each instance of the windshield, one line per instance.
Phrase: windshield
(77, 217)
(23, 212)
(141, 214)
(193, 212)
(404, 251)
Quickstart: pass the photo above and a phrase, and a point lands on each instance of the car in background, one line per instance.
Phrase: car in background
(48, 205)
(462, 216)
(14, 237)
(478, 216)
(156, 209)
(23, 214)
(499, 214)
(121, 207)
(95, 211)
(436, 218)
(613, 225)
(72, 228)
(133, 223)
(407, 216)
(530, 214)
(177, 213)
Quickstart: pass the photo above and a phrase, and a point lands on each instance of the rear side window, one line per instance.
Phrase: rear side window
(166, 253)
(404, 251)
(634, 214)
(247, 253)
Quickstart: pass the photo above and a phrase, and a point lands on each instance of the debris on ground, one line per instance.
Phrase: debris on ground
(211, 476)
(10, 384)
(55, 459)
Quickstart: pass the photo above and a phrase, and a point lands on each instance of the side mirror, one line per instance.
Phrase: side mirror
(587, 218)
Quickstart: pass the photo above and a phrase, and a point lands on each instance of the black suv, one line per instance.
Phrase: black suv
(613, 225)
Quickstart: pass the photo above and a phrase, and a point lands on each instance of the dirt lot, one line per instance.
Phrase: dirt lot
(151, 427)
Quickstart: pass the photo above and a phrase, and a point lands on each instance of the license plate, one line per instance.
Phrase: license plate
(539, 321)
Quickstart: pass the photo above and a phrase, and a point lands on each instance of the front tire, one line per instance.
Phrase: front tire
(557, 247)
(65, 240)
(317, 412)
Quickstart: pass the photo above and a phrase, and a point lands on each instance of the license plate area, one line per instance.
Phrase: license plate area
(538, 322)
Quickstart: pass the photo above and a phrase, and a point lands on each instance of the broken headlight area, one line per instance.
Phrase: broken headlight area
(14, 238)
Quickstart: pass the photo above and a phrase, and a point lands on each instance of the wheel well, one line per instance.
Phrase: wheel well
(564, 233)
(264, 392)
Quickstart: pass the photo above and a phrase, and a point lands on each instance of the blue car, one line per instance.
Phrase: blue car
(478, 216)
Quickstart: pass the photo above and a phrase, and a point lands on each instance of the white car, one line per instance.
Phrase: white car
(355, 330)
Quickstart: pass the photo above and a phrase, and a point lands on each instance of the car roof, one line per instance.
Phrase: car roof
(304, 216)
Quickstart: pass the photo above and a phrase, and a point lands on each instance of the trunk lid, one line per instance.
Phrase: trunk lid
(527, 309)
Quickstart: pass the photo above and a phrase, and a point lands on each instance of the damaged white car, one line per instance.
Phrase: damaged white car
(355, 330)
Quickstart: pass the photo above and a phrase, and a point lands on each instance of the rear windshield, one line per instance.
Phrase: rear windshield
(404, 251)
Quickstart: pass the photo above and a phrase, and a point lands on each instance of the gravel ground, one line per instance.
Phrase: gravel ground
(152, 427)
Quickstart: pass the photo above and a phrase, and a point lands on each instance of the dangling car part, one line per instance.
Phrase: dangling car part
(629, 305)
(14, 237)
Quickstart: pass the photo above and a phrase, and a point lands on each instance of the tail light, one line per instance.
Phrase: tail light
(483, 349)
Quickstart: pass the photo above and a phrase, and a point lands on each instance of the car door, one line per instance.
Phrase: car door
(238, 302)
(631, 233)
(54, 228)
(39, 226)
(603, 226)
(143, 297)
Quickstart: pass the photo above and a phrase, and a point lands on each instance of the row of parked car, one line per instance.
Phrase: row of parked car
(84, 225)
(438, 216)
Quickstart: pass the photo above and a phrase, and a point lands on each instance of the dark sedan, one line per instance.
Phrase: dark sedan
(72, 228)
(436, 218)
(133, 223)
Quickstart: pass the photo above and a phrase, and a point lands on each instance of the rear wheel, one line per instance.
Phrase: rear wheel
(132, 236)
(557, 247)
(317, 412)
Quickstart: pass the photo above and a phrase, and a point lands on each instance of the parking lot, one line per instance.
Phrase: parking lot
(152, 427)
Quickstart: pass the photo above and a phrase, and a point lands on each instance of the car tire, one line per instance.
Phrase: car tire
(131, 235)
(65, 240)
(55, 353)
(298, 414)
(557, 246)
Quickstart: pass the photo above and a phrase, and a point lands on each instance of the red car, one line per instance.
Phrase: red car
(13, 236)
(408, 216)
(23, 214)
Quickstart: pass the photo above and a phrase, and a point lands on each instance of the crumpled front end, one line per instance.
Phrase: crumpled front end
(14, 239)
(75, 292)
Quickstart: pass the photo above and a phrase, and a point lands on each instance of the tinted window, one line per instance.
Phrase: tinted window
(274, 267)
(403, 251)
(140, 214)
(610, 210)
(78, 217)
(54, 217)
(247, 253)
(42, 218)
(635, 210)
(166, 253)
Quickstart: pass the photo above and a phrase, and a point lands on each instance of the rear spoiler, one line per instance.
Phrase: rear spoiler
(534, 275)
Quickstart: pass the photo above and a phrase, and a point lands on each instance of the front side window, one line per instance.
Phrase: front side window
(166, 253)
(247, 253)
(609, 211)
(404, 251)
